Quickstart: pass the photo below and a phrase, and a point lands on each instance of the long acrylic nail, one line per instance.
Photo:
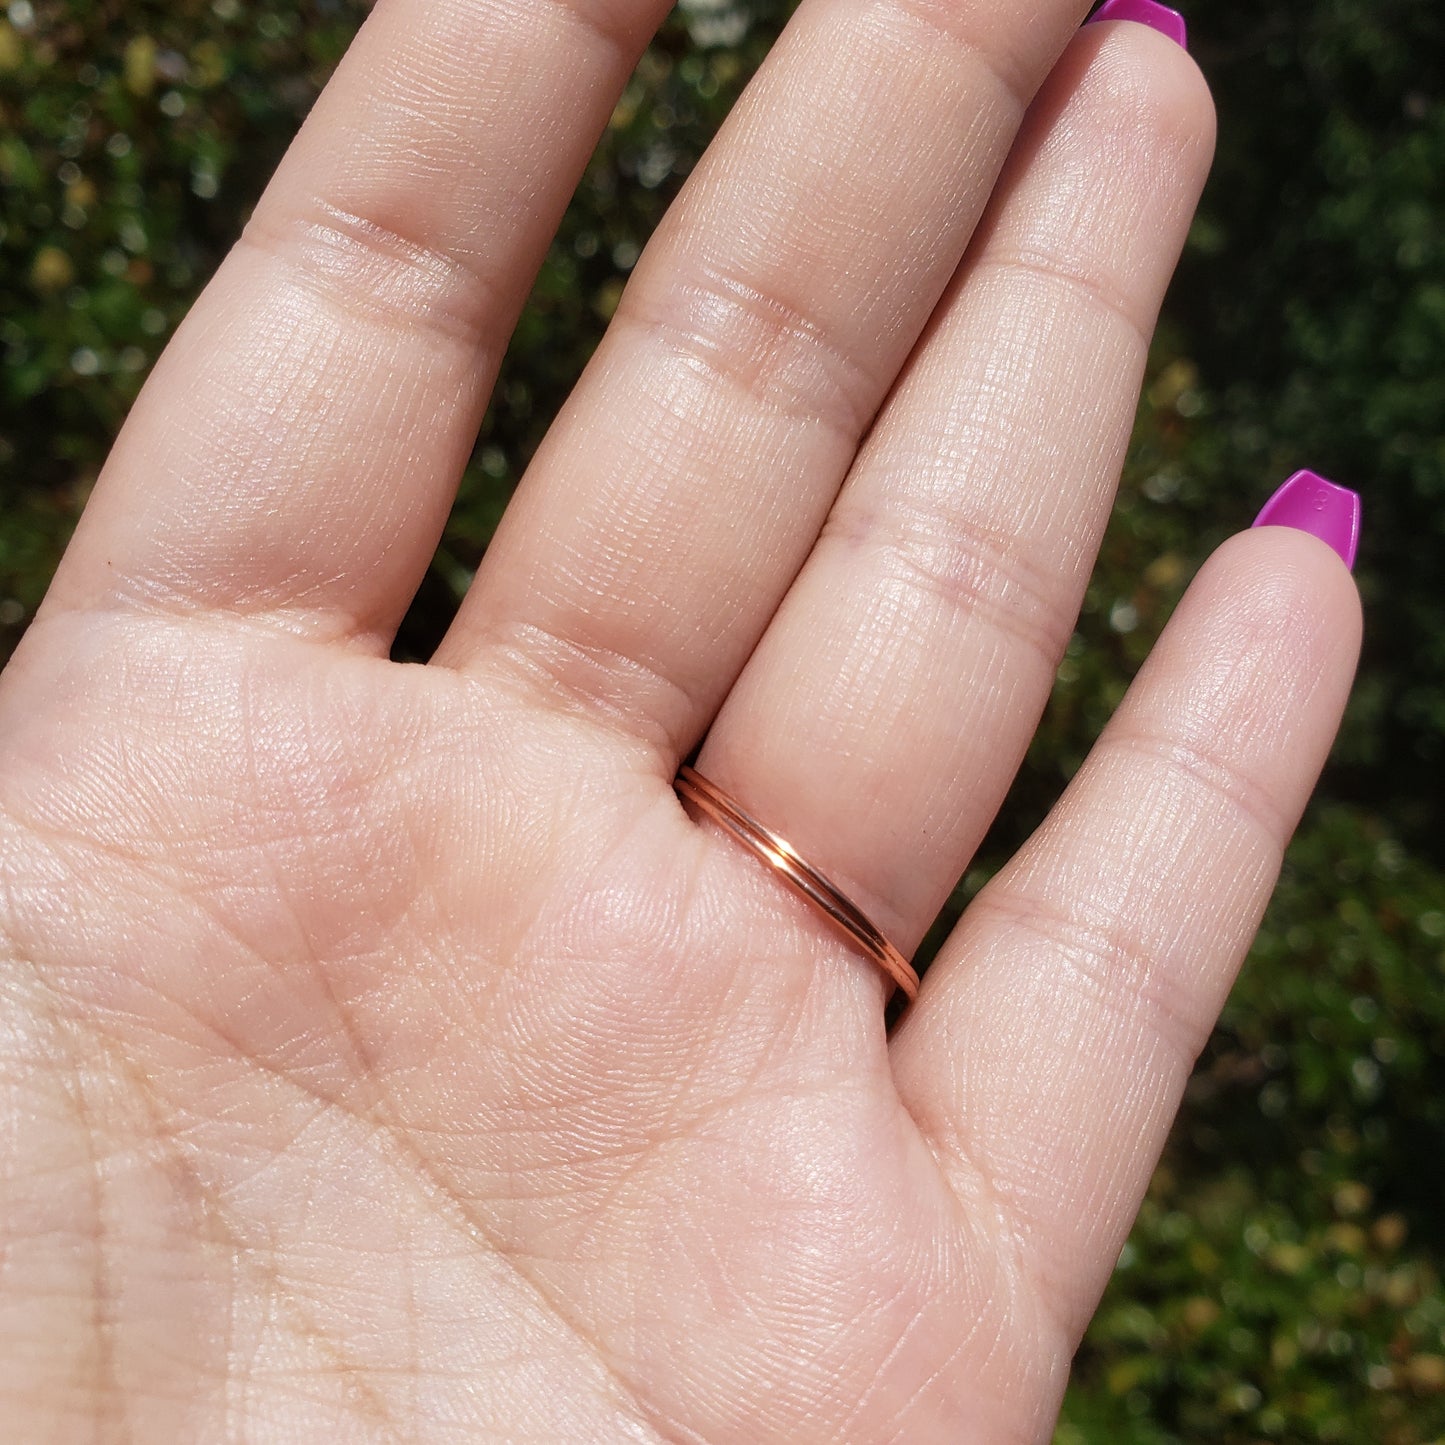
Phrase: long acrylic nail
(1146, 12)
(1309, 503)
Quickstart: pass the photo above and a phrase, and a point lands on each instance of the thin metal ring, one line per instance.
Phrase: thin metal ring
(799, 875)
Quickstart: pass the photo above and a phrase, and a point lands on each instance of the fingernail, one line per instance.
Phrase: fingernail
(1309, 503)
(1146, 12)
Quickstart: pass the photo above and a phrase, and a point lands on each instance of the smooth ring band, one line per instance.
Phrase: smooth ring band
(799, 875)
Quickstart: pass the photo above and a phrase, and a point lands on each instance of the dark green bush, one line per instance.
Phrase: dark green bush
(1284, 1281)
(1315, 307)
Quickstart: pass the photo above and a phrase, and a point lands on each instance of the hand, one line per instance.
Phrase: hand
(386, 1052)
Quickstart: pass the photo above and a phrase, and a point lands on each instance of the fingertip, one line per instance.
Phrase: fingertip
(1154, 83)
(1264, 644)
(1295, 582)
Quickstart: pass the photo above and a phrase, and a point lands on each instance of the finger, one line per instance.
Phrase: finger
(686, 479)
(1049, 1049)
(299, 444)
(884, 714)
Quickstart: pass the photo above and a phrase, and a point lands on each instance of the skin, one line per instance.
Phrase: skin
(384, 1052)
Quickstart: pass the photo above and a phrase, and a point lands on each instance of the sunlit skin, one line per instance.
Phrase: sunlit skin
(384, 1052)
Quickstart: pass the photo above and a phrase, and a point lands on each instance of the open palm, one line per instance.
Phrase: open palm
(385, 1051)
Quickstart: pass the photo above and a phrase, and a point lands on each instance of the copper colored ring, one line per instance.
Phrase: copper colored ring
(800, 876)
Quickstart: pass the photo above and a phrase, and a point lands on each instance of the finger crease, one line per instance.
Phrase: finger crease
(1222, 779)
(1081, 284)
(595, 682)
(966, 570)
(379, 273)
(944, 20)
(762, 346)
(1118, 971)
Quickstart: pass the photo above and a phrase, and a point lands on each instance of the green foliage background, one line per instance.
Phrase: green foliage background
(1284, 1280)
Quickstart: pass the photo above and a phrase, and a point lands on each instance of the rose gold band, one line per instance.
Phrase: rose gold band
(800, 876)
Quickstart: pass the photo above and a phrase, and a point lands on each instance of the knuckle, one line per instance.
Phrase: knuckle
(759, 344)
(622, 26)
(1083, 281)
(1199, 768)
(1003, 56)
(972, 571)
(1112, 967)
(380, 272)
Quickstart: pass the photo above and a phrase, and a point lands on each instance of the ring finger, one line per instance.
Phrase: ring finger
(885, 712)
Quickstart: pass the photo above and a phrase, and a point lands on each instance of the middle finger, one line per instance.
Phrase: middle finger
(686, 479)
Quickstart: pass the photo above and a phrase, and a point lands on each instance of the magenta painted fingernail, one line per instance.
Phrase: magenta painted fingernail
(1309, 503)
(1146, 12)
